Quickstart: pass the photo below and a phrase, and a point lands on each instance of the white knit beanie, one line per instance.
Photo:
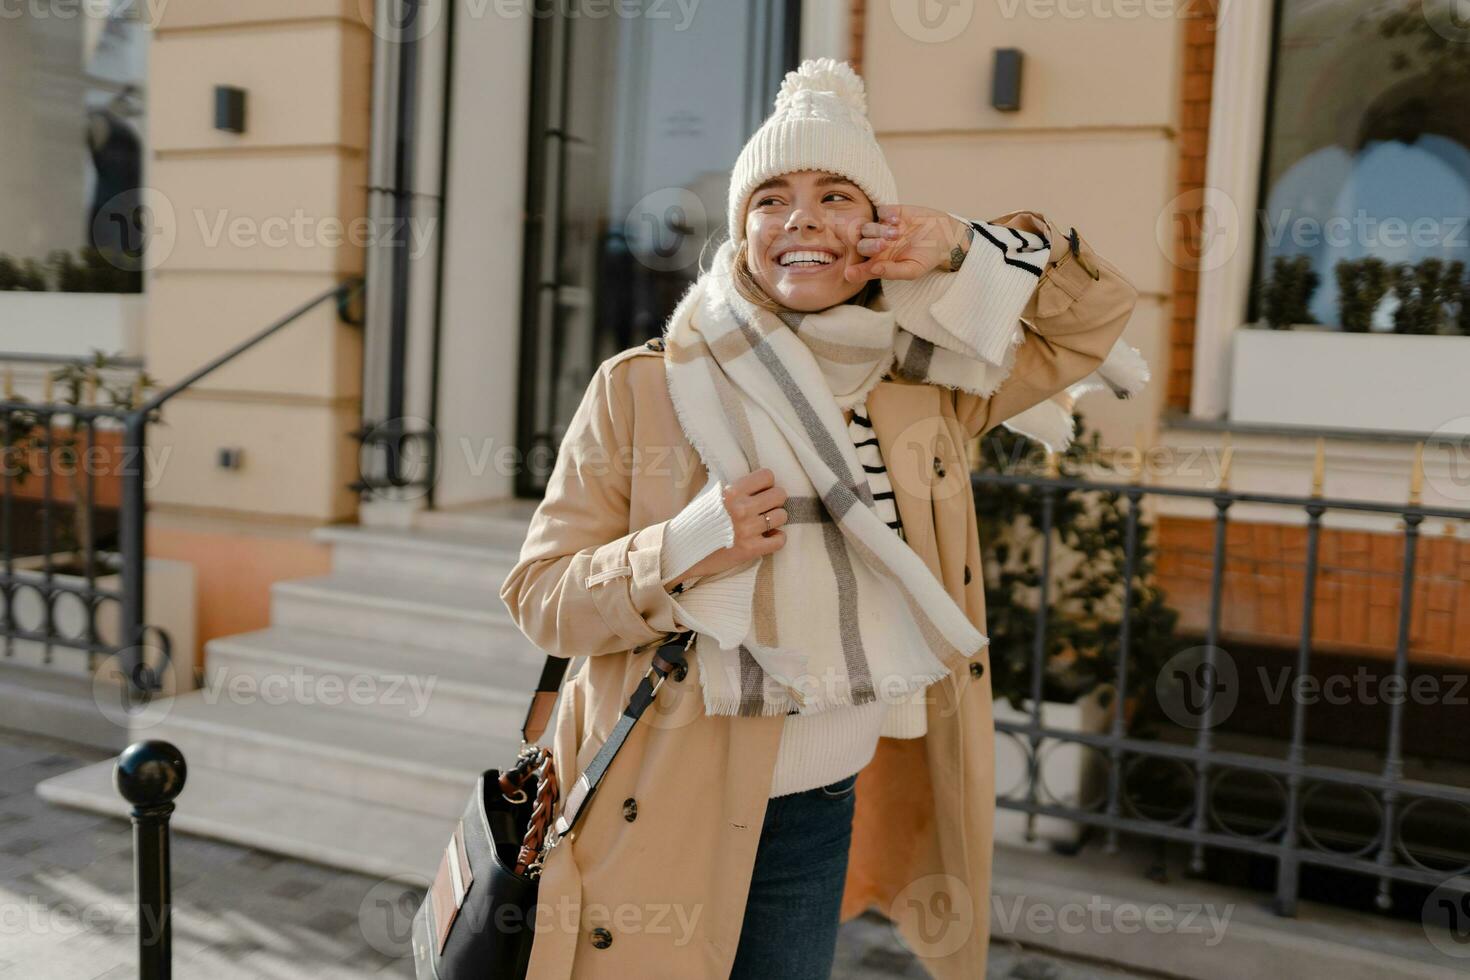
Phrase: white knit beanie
(820, 123)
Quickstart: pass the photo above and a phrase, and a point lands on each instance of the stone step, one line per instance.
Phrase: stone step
(441, 616)
(59, 705)
(301, 822)
(499, 517)
(397, 682)
(333, 750)
(478, 557)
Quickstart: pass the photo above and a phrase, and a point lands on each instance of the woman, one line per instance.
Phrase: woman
(821, 544)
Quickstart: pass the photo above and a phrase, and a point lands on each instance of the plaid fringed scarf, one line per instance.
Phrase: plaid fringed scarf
(846, 611)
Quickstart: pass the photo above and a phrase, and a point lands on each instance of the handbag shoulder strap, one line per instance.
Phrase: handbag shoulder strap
(543, 699)
(538, 715)
(669, 657)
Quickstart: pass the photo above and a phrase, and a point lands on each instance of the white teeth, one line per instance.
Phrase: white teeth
(806, 258)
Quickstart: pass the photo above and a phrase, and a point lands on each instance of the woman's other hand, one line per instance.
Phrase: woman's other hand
(908, 241)
(747, 499)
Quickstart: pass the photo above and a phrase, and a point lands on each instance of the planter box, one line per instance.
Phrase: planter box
(71, 324)
(169, 598)
(1070, 774)
(1332, 379)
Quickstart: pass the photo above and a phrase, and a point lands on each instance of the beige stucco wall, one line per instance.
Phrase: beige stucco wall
(259, 223)
(1093, 145)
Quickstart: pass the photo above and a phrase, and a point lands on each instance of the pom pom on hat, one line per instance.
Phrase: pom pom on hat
(820, 122)
(829, 76)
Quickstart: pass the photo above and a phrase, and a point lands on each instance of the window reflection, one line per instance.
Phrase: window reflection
(73, 117)
(1368, 159)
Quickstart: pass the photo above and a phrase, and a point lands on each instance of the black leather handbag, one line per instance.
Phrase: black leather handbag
(478, 918)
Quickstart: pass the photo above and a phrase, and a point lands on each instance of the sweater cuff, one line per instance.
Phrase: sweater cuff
(719, 606)
(984, 300)
(976, 310)
(701, 528)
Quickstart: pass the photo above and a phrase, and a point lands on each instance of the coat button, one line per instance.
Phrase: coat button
(601, 938)
(680, 671)
(977, 668)
(967, 574)
(939, 467)
(630, 809)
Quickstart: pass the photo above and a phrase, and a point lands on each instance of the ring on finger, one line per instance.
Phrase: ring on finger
(767, 516)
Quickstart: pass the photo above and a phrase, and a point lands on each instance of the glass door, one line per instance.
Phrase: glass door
(635, 123)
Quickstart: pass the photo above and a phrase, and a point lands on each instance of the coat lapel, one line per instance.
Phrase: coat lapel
(905, 420)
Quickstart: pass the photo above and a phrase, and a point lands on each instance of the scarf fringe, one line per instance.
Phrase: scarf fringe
(719, 704)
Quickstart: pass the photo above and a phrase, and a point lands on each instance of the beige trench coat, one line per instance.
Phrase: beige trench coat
(660, 863)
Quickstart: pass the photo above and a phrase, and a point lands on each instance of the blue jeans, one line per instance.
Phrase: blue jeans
(790, 926)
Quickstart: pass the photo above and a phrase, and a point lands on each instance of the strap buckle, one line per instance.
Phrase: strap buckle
(652, 671)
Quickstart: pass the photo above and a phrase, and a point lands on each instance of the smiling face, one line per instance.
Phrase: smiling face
(802, 230)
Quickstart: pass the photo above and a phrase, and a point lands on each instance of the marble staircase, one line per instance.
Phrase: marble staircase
(351, 728)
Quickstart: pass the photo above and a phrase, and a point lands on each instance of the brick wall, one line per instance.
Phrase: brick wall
(1194, 128)
(1357, 590)
(856, 24)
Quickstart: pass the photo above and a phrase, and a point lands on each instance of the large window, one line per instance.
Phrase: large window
(635, 125)
(72, 100)
(1366, 185)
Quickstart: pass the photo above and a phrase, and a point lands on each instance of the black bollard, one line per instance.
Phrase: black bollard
(149, 775)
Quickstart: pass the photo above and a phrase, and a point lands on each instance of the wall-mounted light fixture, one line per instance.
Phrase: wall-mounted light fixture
(1005, 86)
(229, 109)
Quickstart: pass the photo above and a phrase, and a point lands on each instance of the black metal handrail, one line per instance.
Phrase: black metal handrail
(41, 586)
(1290, 840)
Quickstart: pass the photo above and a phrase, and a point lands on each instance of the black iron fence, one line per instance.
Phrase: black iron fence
(1174, 789)
(71, 566)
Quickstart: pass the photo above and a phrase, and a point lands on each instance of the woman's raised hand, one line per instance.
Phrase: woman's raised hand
(907, 241)
(746, 499)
